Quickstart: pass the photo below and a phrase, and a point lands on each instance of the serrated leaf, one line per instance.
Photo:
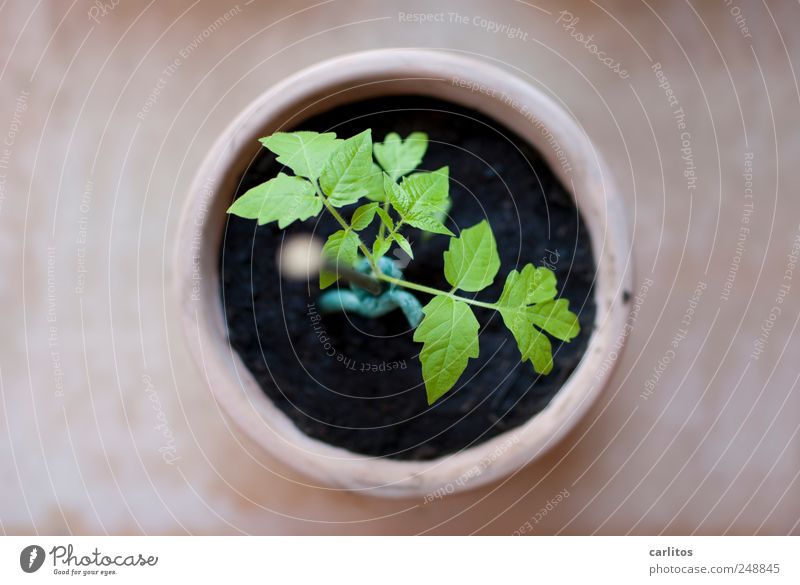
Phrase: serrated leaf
(303, 152)
(472, 262)
(343, 177)
(427, 188)
(375, 188)
(403, 243)
(522, 316)
(449, 333)
(428, 224)
(419, 198)
(396, 195)
(284, 199)
(341, 248)
(556, 318)
(399, 157)
(363, 216)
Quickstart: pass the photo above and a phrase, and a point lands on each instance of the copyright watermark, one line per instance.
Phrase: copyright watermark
(465, 20)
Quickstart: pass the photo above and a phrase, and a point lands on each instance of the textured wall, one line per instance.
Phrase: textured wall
(108, 426)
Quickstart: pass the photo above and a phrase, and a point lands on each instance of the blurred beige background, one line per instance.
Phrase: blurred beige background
(107, 426)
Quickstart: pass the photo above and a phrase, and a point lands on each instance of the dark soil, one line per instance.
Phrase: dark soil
(356, 383)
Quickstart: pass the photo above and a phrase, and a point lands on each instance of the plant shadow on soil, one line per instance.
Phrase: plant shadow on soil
(357, 383)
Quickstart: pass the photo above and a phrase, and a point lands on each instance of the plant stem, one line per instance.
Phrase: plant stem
(343, 222)
(382, 227)
(434, 291)
(397, 226)
(397, 281)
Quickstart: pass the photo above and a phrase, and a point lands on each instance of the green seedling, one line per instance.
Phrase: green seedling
(334, 174)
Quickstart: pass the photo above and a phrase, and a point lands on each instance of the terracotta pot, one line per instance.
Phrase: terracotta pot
(460, 80)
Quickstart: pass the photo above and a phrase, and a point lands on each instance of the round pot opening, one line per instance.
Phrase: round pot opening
(340, 397)
(356, 383)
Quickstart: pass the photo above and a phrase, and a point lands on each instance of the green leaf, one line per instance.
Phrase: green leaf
(539, 351)
(381, 246)
(375, 189)
(345, 176)
(403, 243)
(556, 318)
(363, 216)
(442, 213)
(382, 242)
(418, 200)
(443, 209)
(341, 248)
(399, 157)
(532, 285)
(542, 286)
(533, 344)
(396, 195)
(303, 152)
(472, 262)
(283, 199)
(522, 315)
(386, 219)
(449, 333)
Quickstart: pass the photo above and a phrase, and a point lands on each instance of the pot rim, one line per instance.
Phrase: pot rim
(458, 79)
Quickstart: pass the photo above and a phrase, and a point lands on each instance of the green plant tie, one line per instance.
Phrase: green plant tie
(357, 300)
